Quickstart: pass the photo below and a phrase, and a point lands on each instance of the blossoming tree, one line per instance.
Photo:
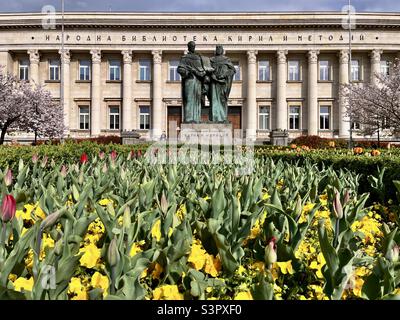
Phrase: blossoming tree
(24, 108)
(376, 105)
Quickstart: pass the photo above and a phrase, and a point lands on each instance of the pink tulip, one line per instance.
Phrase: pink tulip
(44, 161)
(64, 171)
(132, 154)
(35, 158)
(139, 153)
(8, 208)
(101, 155)
(84, 158)
(113, 155)
(8, 178)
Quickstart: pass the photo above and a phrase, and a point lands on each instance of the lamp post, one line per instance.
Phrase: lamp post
(350, 79)
(62, 56)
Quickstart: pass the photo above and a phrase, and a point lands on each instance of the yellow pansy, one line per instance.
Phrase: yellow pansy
(318, 265)
(244, 295)
(158, 270)
(77, 289)
(26, 214)
(91, 256)
(12, 277)
(212, 266)
(167, 292)
(105, 202)
(198, 255)
(135, 249)
(23, 284)
(181, 213)
(156, 230)
(101, 282)
(285, 267)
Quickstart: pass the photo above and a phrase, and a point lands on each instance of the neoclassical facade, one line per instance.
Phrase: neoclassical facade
(118, 71)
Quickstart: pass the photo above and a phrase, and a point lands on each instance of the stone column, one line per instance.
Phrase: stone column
(157, 112)
(375, 56)
(251, 130)
(313, 92)
(34, 59)
(95, 109)
(65, 62)
(127, 112)
(281, 104)
(344, 123)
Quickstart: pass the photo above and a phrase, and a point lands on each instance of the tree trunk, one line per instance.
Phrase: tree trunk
(3, 135)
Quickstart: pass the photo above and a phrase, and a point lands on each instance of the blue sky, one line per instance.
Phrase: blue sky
(199, 5)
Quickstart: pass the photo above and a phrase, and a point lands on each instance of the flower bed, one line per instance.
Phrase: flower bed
(111, 226)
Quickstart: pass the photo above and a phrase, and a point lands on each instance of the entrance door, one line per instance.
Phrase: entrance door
(235, 117)
(174, 115)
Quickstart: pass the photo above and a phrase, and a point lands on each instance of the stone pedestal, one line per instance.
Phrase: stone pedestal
(206, 133)
(130, 137)
(279, 138)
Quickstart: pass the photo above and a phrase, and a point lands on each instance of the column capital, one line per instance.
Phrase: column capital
(127, 56)
(65, 56)
(343, 56)
(313, 56)
(375, 55)
(281, 56)
(34, 56)
(157, 56)
(96, 55)
(252, 56)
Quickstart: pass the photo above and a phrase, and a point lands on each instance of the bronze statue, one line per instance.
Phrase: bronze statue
(191, 68)
(220, 85)
(203, 77)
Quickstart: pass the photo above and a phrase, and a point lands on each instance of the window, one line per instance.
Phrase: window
(24, 70)
(84, 118)
(237, 68)
(144, 70)
(84, 70)
(173, 71)
(324, 117)
(114, 117)
(356, 126)
(264, 71)
(115, 70)
(144, 117)
(324, 70)
(54, 70)
(264, 118)
(355, 70)
(385, 67)
(294, 70)
(294, 118)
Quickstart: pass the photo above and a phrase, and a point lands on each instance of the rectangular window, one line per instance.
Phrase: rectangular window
(294, 118)
(114, 117)
(237, 76)
(324, 70)
(294, 70)
(144, 70)
(24, 70)
(263, 118)
(84, 118)
(264, 71)
(144, 116)
(385, 67)
(356, 126)
(115, 70)
(324, 117)
(355, 70)
(84, 70)
(54, 70)
(173, 71)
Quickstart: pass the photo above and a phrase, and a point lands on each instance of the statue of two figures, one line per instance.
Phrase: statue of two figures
(201, 77)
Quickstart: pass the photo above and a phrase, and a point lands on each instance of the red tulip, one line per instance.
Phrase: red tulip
(84, 158)
(113, 155)
(133, 154)
(8, 208)
(139, 153)
(8, 178)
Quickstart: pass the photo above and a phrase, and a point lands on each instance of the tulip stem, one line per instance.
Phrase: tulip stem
(336, 239)
(3, 234)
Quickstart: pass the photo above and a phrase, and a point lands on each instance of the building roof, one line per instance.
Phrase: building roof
(144, 20)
